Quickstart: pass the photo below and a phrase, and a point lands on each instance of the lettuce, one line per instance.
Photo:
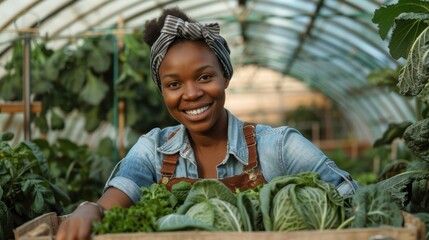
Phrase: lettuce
(209, 205)
(301, 201)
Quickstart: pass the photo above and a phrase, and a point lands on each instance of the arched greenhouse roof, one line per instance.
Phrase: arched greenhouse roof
(331, 45)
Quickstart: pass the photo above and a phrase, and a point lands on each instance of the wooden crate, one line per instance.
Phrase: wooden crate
(45, 227)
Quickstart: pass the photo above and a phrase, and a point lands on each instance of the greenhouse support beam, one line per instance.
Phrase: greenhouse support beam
(302, 37)
(26, 91)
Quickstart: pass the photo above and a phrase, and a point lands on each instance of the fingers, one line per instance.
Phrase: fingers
(75, 228)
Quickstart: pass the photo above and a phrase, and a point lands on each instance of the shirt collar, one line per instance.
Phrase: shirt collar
(236, 141)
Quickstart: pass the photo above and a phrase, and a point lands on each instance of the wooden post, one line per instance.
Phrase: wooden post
(26, 91)
(121, 126)
(121, 104)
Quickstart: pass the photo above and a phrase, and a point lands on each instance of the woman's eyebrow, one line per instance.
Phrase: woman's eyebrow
(203, 68)
(175, 75)
(172, 75)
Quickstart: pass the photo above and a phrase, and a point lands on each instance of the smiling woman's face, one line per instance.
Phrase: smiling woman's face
(193, 86)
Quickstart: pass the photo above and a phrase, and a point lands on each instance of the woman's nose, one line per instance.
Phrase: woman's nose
(192, 91)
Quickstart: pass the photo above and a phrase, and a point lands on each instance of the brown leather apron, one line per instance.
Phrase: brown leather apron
(250, 178)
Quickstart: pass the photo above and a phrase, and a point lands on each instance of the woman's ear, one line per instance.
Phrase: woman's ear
(226, 82)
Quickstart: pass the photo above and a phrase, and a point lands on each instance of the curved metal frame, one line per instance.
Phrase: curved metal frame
(295, 43)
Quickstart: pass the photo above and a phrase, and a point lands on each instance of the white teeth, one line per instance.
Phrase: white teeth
(197, 111)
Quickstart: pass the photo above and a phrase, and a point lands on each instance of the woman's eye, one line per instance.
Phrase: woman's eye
(173, 85)
(205, 77)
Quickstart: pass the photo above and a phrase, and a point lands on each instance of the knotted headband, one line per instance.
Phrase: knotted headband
(176, 27)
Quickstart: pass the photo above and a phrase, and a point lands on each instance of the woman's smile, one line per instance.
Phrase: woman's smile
(197, 111)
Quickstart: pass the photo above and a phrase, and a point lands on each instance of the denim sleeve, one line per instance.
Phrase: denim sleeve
(136, 170)
(299, 155)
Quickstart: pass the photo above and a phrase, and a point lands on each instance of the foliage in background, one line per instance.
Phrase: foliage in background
(361, 169)
(27, 189)
(303, 118)
(81, 172)
(80, 76)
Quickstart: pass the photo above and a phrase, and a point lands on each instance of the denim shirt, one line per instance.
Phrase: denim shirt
(281, 151)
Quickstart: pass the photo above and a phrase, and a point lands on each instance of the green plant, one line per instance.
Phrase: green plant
(408, 23)
(372, 206)
(27, 189)
(154, 203)
(210, 205)
(89, 76)
(301, 201)
(11, 83)
(81, 172)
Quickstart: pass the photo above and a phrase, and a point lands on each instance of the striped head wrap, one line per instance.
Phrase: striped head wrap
(176, 27)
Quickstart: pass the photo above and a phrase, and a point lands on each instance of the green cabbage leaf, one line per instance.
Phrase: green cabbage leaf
(374, 206)
(208, 203)
(301, 201)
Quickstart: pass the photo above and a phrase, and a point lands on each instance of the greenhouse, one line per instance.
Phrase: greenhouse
(337, 89)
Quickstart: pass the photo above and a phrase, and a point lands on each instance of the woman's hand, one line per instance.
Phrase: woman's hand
(79, 224)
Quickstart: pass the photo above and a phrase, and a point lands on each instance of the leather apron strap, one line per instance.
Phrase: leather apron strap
(250, 178)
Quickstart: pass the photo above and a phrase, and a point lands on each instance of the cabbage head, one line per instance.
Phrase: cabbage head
(220, 214)
(209, 205)
(301, 202)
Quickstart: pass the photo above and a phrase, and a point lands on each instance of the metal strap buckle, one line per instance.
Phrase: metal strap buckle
(252, 174)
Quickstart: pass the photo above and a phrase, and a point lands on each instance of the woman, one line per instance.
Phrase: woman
(191, 66)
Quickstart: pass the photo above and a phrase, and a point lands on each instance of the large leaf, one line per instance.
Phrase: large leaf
(227, 216)
(92, 119)
(203, 212)
(392, 169)
(42, 123)
(321, 208)
(385, 16)
(40, 158)
(420, 193)
(60, 194)
(6, 136)
(180, 190)
(55, 64)
(57, 122)
(39, 191)
(408, 28)
(400, 186)
(206, 189)
(416, 137)
(289, 187)
(95, 89)
(250, 211)
(394, 130)
(284, 215)
(424, 95)
(176, 222)
(414, 75)
(99, 59)
(373, 207)
(74, 78)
